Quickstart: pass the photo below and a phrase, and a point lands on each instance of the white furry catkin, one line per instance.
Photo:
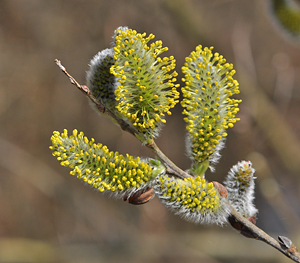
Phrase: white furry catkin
(240, 187)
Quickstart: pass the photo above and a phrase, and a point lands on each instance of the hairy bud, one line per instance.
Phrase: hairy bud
(240, 187)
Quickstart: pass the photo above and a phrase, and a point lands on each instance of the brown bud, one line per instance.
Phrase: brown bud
(85, 89)
(246, 232)
(221, 188)
(140, 197)
(240, 227)
(234, 223)
(286, 242)
(252, 219)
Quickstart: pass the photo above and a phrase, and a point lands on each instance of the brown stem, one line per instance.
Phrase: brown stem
(171, 167)
(259, 234)
(86, 91)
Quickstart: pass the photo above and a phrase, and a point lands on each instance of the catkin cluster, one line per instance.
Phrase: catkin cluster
(138, 86)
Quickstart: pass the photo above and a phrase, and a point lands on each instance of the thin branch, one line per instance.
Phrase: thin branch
(86, 91)
(256, 233)
(285, 246)
(171, 167)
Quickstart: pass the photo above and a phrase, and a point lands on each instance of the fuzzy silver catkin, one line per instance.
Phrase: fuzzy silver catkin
(194, 199)
(240, 187)
(100, 81)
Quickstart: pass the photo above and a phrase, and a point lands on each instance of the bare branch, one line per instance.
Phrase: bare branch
(254, 232)
(171, 167)
(86, 91)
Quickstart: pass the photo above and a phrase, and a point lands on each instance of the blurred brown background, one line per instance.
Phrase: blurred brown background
(48, 216)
